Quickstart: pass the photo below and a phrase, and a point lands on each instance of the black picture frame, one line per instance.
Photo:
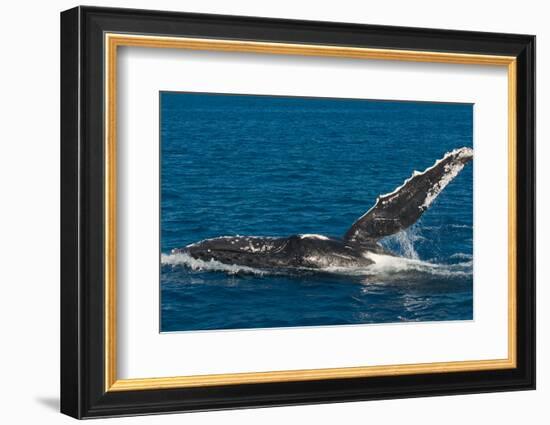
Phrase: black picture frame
(83, 392)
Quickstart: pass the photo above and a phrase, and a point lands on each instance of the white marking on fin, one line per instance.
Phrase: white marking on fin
(313, 236)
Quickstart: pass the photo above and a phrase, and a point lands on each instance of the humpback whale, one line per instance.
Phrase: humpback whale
(391, 213)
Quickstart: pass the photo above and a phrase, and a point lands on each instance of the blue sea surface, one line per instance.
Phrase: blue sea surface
(278, 166)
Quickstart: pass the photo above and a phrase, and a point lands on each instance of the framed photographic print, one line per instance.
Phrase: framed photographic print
(261, 212)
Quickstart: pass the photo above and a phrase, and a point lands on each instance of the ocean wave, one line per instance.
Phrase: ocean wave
(446, 226)
(462, 255)
(384, 266)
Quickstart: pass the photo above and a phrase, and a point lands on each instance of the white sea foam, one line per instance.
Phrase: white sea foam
(388, 264)
(395, 268)
(384, 266)
(183, 259)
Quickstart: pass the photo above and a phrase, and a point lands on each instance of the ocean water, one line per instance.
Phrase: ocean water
(278, 166)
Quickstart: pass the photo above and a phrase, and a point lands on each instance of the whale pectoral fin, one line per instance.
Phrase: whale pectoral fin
(401, 208)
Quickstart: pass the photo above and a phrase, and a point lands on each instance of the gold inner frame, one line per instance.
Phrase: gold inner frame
(113, 41)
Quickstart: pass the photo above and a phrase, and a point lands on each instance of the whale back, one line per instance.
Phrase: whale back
(401, 208)
(296, 251)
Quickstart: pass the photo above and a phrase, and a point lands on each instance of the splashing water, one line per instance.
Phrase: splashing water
(402, 243)
(212, 265)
